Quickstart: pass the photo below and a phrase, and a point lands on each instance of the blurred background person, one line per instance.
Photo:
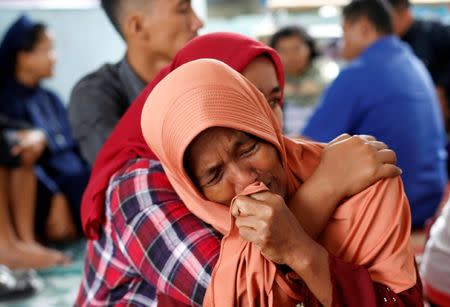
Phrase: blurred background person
(27, 57)
(386, 92)
(153, 31)
(305, 77)
(430, 41)
(435, 268)
(19, 147)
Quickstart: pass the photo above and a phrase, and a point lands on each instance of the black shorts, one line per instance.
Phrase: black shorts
(6, 159)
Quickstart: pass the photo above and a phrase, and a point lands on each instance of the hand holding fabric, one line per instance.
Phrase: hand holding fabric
(265, 220)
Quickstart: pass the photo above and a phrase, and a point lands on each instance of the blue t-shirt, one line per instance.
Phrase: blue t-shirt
(387, 92)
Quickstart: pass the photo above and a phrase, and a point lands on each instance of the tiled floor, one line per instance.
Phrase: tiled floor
(60, 285)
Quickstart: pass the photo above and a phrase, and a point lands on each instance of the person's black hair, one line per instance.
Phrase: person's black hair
(400, 4)
(296, 31)
(31, 38)
(378, 12)
(27, 43)
(112, 10)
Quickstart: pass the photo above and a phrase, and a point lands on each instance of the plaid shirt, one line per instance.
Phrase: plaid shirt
(151, 245)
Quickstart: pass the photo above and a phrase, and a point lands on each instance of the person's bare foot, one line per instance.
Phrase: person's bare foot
(31, 256)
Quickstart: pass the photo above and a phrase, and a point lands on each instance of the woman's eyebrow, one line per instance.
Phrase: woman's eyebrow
(210, 170)
(274, 90)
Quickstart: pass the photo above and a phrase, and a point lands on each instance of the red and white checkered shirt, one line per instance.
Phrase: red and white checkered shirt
(150, 246)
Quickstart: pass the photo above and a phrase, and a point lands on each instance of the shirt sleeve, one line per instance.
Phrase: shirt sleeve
(352, 286)
(169, 247)
(335, 113)
(94, 110)
(7, 123)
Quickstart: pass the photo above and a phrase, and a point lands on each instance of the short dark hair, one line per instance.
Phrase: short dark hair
(112, 9)
(299, 32)
(378, 12)
(400, 4)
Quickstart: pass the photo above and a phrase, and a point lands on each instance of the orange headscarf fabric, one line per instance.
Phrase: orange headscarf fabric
(371, 229)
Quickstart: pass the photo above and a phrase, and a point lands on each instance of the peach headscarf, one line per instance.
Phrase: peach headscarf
(371, 229)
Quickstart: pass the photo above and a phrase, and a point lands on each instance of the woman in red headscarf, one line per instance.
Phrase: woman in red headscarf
(223, 152)
(145, 245)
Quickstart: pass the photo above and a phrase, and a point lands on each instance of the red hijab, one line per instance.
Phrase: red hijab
(126, 141)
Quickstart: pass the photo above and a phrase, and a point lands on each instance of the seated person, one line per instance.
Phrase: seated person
(129, 198)
(305, 77)
(152, 32)
(26, 53)
(434, 268)
(215, 135)
(386, 92)
(430, 41)
(20, 147)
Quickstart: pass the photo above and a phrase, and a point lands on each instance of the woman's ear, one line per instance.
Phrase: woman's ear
(365, 26)
(134, 27)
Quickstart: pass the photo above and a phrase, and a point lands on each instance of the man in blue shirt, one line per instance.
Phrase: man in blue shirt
(430, 41)
(387, 92)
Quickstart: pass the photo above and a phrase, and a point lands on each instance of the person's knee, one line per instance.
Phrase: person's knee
(60, 225)
(4, 172)
(61, 233)
(23, 171)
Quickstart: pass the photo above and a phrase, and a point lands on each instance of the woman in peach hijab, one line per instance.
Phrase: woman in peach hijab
(136, 223)
(220, 146)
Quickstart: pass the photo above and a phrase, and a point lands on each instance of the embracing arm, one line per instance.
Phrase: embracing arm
(348, 165)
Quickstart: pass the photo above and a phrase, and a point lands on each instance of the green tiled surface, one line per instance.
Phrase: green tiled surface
(60, 285)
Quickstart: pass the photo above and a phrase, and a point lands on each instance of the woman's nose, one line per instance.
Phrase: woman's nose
(243, 177)
(196, 22)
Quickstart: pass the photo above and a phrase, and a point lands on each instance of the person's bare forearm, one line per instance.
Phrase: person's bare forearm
(312, 265)
(313, 205)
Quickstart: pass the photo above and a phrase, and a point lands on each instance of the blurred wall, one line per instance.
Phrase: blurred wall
(84, 40)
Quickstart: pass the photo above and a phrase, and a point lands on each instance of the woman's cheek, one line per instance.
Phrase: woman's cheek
(266, 159)
(221, 193)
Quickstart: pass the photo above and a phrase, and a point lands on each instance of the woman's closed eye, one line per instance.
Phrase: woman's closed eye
(213, 176)
(248, 149)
